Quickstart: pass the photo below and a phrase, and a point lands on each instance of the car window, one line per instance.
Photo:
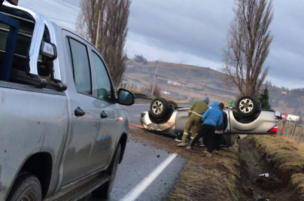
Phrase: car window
(104, 87)
(81, 66)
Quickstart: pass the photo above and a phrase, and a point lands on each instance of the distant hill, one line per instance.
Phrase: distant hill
(200, 82)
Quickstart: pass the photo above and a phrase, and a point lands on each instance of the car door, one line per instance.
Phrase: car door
(108, 134)
(84, 111)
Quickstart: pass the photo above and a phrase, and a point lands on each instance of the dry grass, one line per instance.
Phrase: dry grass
(293, 133)
(297, 181)
(209, 178)
(299, 145)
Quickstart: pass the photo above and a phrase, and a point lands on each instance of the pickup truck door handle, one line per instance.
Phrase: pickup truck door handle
(79, 112)
(103, 115)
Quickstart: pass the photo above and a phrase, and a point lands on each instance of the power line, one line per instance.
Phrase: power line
(132, 49)
(59, 8)
(128, 47)
(69, 6)
(61, 20)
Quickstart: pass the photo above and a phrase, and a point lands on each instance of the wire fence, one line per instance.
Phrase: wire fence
(292, 131)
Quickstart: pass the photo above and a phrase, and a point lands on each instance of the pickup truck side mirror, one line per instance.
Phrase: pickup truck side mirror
(49, 50)
(125, 97)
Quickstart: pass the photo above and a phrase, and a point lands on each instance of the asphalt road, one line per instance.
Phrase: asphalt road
(142, 164)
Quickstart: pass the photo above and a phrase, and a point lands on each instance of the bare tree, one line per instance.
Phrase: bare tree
(112, 32)
(248, 41)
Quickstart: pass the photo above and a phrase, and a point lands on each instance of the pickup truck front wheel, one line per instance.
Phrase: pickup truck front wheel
(104, 191)
(26, 188)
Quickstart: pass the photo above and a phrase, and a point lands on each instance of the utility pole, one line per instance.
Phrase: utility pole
(97, 34)
(154, 80)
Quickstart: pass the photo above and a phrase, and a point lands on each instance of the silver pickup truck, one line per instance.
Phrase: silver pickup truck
(63, 131)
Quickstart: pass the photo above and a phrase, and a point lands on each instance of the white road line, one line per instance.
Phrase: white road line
(137, 191)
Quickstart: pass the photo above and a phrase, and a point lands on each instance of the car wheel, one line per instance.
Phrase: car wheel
(104, 191)
(172, 103)
(246, 106)
(159, 107)
(26, 188)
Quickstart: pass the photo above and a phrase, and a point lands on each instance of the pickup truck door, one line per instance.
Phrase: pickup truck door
(108, 134)
(84, 110)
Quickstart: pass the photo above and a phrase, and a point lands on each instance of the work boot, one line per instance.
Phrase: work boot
(181, 144)
(216, 152)
(178, 139)
(209, 155)
(202, 145)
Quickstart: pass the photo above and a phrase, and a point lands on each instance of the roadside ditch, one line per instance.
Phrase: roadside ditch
(274, 155)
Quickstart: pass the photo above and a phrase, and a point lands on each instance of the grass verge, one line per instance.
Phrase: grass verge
(209, 178)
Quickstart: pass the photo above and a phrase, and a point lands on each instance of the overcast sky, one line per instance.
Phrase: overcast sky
(193, 32)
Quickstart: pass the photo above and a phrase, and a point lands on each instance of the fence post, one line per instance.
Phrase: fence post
(293, 130)
(281, 131)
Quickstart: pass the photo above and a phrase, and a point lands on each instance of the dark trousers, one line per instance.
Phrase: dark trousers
(217, 139)
(207, 132)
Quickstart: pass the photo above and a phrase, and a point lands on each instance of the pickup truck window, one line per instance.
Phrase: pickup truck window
(104, 89)
(81, 67)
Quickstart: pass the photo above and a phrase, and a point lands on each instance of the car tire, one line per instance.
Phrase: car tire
(172, 103)
(246, 106)
(159, 107)
(104, 191)
(26, 187)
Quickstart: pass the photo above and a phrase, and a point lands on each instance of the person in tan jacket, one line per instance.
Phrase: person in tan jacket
(194, 120)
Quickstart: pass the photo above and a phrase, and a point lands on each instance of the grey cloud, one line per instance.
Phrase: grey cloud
(192, 28)
(200, 27)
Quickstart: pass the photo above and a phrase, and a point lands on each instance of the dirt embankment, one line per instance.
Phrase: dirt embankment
(234, 173)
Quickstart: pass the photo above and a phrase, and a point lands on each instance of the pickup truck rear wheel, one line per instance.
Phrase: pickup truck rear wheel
(246, 106)
(26, 188)
(104, 191)
(159, 107)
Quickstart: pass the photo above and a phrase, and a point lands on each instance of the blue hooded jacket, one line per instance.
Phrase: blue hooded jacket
(213, 116)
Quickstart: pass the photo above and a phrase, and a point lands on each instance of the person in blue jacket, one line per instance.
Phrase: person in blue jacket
(212, 118)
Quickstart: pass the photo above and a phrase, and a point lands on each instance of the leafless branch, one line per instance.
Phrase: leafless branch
(112, 32)
(248, 40)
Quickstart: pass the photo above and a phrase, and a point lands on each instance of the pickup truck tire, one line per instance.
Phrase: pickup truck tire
(104, 191)
(159, 107)
(26, 188)
(246, 106)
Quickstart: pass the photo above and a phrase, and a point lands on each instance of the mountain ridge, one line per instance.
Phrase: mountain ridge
(202, 81)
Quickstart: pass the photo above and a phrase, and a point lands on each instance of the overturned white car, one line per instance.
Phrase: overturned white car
(247, 118)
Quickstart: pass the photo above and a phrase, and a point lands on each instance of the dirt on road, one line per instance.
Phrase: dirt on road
(231, 175)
